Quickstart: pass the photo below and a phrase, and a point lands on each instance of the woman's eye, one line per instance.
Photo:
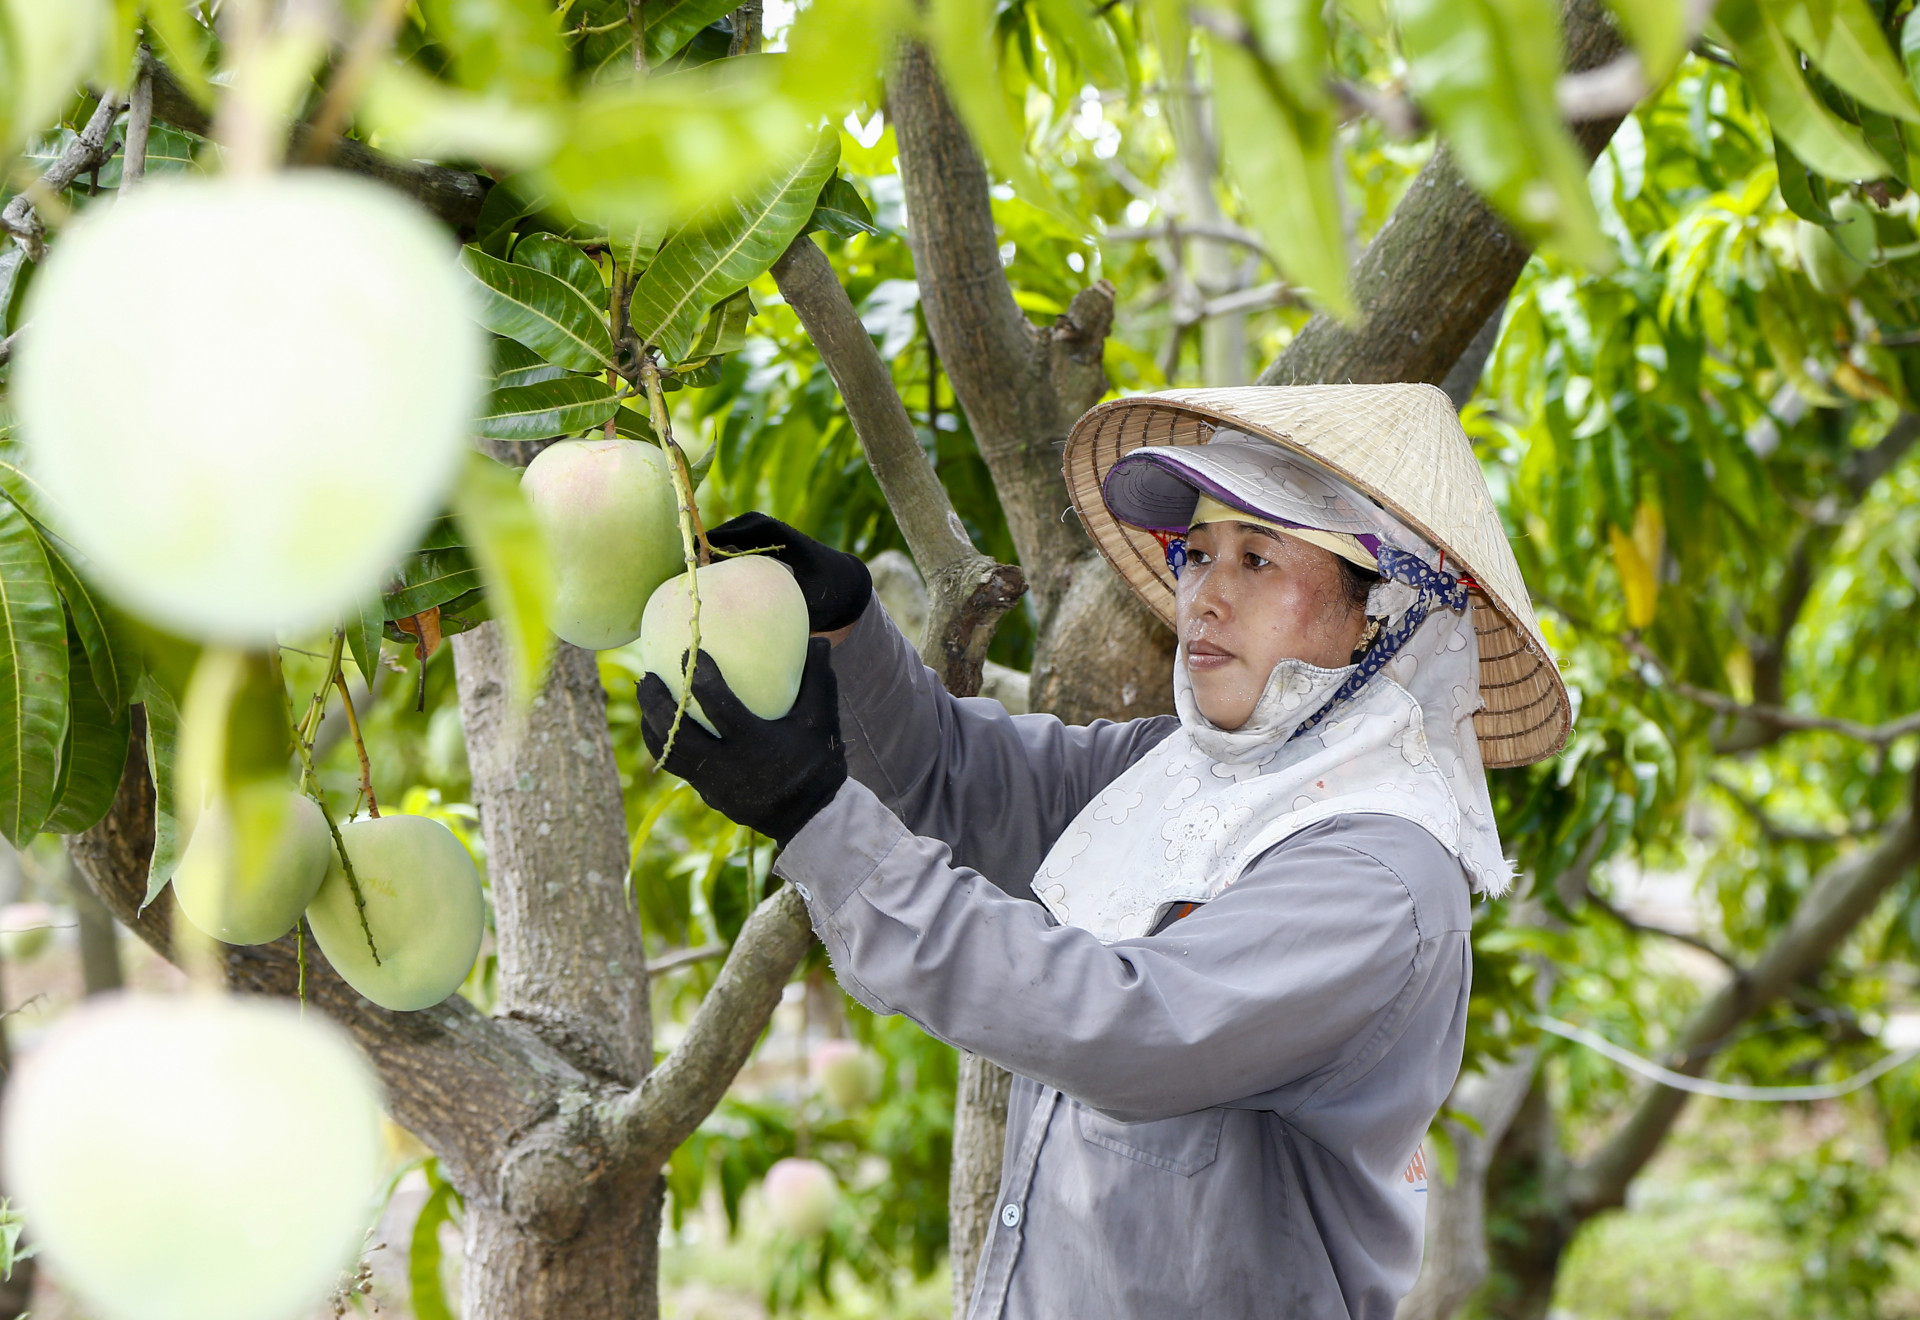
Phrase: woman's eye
(1255, 561)
(1198, 556)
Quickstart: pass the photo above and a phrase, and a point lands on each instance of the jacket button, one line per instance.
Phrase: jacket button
(1010, 1215)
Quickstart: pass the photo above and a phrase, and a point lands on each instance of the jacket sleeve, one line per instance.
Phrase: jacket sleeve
(1300, 977)
(997, 789)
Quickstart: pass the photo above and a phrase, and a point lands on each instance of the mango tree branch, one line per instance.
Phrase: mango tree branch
(1441, 265)
(463, 1082)
(1843, 895)
(656, 1116)
(1777, 717)
(970, 591)
(87, 151)
(1022, 386)
(133, 165)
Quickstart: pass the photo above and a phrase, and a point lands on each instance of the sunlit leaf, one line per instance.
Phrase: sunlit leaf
(1283, 158)
(33, 678)
(548, 315)
(1086, 40)
(1772, 71)
(94, 754)
(546, 408)
(163, 737)
(1487, 71)
(506, 544)
(1844, 38)
(426, 1293)
(841, 210)
(671, 24)
(723, 250)
(1636, 578)
(725, 330)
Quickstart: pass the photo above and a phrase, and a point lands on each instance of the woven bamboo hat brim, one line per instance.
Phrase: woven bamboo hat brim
(1403, 446)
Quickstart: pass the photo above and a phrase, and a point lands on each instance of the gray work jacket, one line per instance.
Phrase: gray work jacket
(1221, 1119)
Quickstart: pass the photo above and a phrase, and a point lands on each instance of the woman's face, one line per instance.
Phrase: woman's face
(1250, 598)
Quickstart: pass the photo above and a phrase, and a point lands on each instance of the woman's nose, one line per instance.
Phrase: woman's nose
(1212, 594)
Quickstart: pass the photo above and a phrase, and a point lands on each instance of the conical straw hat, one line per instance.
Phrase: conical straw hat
(1403, 446)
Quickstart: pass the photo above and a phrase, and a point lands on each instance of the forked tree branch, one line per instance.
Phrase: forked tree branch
(87, 151)
(970, 591)
(1843, 895)
(1777, 717)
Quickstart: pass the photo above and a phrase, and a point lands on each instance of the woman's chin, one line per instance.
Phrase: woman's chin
(1224, 699)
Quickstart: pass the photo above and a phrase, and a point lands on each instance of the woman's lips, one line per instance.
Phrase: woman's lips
(1205, 657)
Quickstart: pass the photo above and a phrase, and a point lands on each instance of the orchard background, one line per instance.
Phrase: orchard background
(877, 257)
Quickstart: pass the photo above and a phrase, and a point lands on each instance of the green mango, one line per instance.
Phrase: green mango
(241, 903)
(753, 622)
(609, 515)
(424, 908)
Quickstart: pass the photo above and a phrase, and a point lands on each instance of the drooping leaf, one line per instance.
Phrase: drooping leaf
(1658, 30)
(725, 330)
(163, 739)
(960, 33)
(1487, 71)
(1843, 37)
(1080, 31)
(841, 210)
(546, 314)
(94, 754)
(1282, 156)
(1804, 192)
(508, 46)
(364, 627)
(638, 244)
(425, 1290)
(563, 261)
(505, 542)
(550, 407)
(112, 653)
(516, 364)
(1772, 70)
(33, 678)
(724, 249)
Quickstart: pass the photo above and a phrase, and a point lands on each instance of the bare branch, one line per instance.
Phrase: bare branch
(1175, 230)
(678, 958)
(1877, 735)
(1639, 927)
(87, 151)
(1840, 899)
(133, 160)
(970, 591)
(649, 1121)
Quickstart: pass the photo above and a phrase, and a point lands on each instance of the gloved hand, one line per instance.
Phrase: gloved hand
(769, 775)
(836, 584)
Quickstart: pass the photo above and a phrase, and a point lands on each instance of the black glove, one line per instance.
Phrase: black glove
(836, 584)
(769, 775)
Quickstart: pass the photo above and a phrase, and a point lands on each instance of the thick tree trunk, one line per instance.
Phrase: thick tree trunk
(979, 1136)
(100, 969)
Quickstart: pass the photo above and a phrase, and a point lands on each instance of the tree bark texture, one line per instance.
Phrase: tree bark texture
(979, 1139)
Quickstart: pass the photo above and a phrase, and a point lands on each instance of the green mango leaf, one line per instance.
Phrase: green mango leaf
(364, 628)
(33, 678)
(1804, 192)
(426, 1292)
(512, 47)
(506, 204)
(638, 244)
(548, 407)
(671, 24)
(563, 261)
(724, 249)
(841, 210)
(163, 739)
(1888, 140)
(113, 657)
(1292, 38)
(429, 578)
(632, 424)
(505, 541)
(1658, 31)
(516, 364)
(725, 330)
(1074, 28)
(1282, 156)
(94, 755)
(1799, 117)
(1486, 72)
(1844, 38)
(545, 313)
(19, 485)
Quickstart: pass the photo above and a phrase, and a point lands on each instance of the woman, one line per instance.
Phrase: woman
(1225, 954)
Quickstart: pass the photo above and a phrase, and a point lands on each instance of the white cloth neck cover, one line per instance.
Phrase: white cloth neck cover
(1184, 821)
